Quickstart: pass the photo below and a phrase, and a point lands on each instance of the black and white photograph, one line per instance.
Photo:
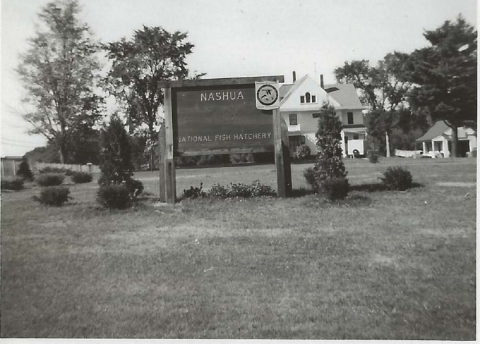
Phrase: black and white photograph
(238, 169)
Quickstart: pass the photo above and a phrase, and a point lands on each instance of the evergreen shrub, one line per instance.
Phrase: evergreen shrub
(194, 192)
(372, 156)
(54, 195)
(81, 177)
(24, 171)
(397, 178)
(50, 179)
(114, 196)
(335, 188)
(12, 183)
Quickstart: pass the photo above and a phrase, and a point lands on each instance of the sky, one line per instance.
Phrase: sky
(234, 38)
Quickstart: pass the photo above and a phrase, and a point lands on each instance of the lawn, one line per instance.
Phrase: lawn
(380, 265)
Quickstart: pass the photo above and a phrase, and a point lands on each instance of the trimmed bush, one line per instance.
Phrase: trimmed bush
(81, 177)
(256, 189)
(54, 196)
(12, 183)
(335, 188)
(134, 187)
(50, 179)
(194, 192)
(302, 152)
(372, 157)
(397, 178)
(114, 196)
(242, 158)
(24, 170)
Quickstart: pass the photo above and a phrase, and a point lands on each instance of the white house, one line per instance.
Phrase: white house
(437, 141)
(300, 107)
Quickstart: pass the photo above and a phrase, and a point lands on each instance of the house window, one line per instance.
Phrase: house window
(355, 137)
(307, 97)
(350, 117)
(302, 99)
(293, 118)
(314, 99)
(316, 115)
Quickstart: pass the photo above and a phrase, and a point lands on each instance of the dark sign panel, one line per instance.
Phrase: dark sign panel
(220, 118)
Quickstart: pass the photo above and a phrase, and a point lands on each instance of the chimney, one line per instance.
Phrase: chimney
(294, 76)
(321, 80)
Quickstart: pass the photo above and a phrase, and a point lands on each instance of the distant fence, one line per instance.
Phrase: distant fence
(79, 168)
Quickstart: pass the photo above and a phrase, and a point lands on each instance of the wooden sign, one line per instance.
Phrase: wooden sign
(220, 119)
(219, 116)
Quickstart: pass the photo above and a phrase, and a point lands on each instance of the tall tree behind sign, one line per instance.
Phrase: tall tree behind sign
(446, 75)
(152, 55)
(59, 73)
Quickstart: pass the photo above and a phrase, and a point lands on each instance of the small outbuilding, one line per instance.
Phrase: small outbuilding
(437, 141)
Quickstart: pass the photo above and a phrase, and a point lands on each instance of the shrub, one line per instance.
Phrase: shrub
(302, 152)
(218, 191)
(14, 183)
(24, 170)
(309, 175)
(81, 177)
(134, 187)
(335, 188)
(194, 192)
(397, 178)
(54, 195)
(329, 162)
(242, 158)
(50, 179)
(115, 196)
(116, 154)
(372, 157)
(256, 189)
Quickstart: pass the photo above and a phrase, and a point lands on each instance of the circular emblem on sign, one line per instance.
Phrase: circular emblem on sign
(267, 94)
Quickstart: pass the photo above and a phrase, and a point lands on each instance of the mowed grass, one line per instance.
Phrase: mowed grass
(380, 265)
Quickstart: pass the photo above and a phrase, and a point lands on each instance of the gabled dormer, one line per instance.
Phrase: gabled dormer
(304, 95)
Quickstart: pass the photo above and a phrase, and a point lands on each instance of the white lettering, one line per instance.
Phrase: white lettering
(240, 95)
(203, 97)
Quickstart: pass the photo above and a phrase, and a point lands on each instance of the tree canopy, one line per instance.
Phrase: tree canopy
(59, 72)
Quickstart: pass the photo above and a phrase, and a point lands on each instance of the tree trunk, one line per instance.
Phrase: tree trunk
(454, 152)
(387, 143)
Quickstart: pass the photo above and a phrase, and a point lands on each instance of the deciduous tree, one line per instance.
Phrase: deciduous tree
(59, 73)
(138, 65)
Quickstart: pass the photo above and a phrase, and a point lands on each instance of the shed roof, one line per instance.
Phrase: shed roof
(438, 129)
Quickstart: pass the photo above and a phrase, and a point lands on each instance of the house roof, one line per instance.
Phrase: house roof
(438, 129)
(345, 94)
(289, 89)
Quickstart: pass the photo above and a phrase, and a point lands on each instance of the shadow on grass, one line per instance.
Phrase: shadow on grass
(301, 192)
(378, 187)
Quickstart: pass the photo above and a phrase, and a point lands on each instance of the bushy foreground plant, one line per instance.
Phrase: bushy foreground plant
(114, 196)
(118, 188)
(50, 179)
(397, 178)
(53, 195)
(81, 177)
(24, 171)
(194, 192)
(335, 188)
(329, 164)
(12, 183)
(234, 190)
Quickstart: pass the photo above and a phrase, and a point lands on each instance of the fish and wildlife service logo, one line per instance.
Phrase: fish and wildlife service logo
(267, 95)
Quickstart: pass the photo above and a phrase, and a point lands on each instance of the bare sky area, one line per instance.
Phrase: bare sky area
(235, 38)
